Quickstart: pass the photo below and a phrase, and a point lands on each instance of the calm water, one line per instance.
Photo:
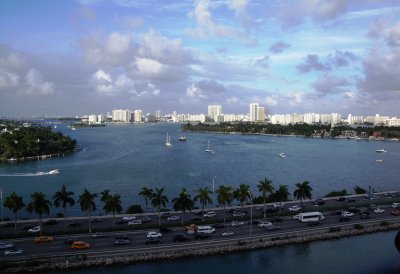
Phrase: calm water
(125, 158)
(369, 254)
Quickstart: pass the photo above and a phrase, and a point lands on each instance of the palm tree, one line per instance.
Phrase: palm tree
(303, 191)
(147, 194)
(40, 205)
(113, 204)
(105, 195)
(282, 194)
(242, 194)
(86, 201)
(204, 197)
(183, 202)
(224, 196)
(63, 198)
(158, 200)
(265, 187)
(14, 203)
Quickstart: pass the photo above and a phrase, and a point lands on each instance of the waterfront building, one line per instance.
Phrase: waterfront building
(121, 115)
(137, 116)
(92, 119)
(101, 118)
(336, 118)
(158, 114)
(253, 114)
(261, 114)
(214, 111)
(393, 122)
(311, 118)
(353, 120)
(196, 118)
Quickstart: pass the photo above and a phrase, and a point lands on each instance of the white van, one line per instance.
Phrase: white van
(206, 229)
(309, 217)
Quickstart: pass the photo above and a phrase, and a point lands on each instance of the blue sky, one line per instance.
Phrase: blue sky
(92, 56)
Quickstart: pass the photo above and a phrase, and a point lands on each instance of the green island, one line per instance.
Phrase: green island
(26, 141)
(299, 129)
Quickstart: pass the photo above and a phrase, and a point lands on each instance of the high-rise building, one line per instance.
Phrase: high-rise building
(121, 115)
(158, 113)
(253, 114)
(214, 111)
(261, 114)
(137, 116)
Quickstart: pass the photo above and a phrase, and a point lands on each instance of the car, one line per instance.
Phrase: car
(210, 214)
(30, 226)
(122, 242)
(13, 251)
(278, 205)
(200, 213)
(227, 233)
(180, 238)
(122, 237)
(153, 234)
(319, 202)
(353, 209)
(314, 223)
(237, 223)
(379, 210)
(347, 214)
(231, 210)
(294, 208)
(164, 229)
(99, 235)
(173, 218)
(275, 219)
(194, 219)
(202, 236)
(129, 218)
(5, 245)
(341, 199)
(74, 224)
(43, 239)
(153, 241)
(365, 216)
(264, 224)
(121, 222)
(372, 197)
(372, 206)
(50, 222)
(80, 245)
(135, 222)
(7, 225)
(396, 212)
(70, 241)
(396, 205)
(165, 215)
(350, 200)
(220, 225)
(35, 229)
(271, 210)
(344, 218)
(239, 214)
(336, 212)
(145, 219)
(96, 220)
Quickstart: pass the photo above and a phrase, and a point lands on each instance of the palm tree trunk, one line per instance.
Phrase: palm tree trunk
(264, 206)
(159, 216)
(113, 218)
(40, 224)
(15, 222)
(202, 208)
(90, 223)
(224, 213)
(65, 217)
(182, 218)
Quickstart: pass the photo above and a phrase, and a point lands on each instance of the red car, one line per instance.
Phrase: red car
(396, 212)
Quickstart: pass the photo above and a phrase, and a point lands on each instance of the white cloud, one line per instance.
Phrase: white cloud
(194, 92)
(270, 101)
(148, 67)
(8, 79)
(102, 76)
(295, 98)
(36, 84)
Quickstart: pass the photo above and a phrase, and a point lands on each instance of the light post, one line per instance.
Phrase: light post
(213, 183)
(2, 205)
(251, 211)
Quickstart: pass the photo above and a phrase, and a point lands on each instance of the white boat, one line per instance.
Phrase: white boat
(168, 141)
(282, 155)
(182, 139)
(209, 150)
(73, 128)
(379, 161)
(381, 150)
(53, 171)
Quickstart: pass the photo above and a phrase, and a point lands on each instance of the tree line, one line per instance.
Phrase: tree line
(184, 202)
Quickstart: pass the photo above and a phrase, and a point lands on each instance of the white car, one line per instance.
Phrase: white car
(239, 214)
(34, 229)
(13, 251)
(237, 223)
(396, 205)
(129, 218)
(264, 224)
(5, 245)
(210, 214)
(173, 218)
(279, 205)
(294, 208)
(379, 210)
(227, 233)
(347, 214)
(154, 234)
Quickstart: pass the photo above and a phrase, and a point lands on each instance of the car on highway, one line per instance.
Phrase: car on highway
(379, 210)
(164, 229)
(153, 241)
(70, 241)
(237, 223)
(99, 235)
(80, 245)
(344, 218)
(145, 219)
(227, 233)
(264, 224)
(35, 229)
(336, 212)
(239, 214)
(341, 199)
(347, 214)
(153, 234)
(372, 206)
(96, 220)
(396, 205)
(275, 219)
(7, 225)
(202, 236)
(50, 222)
(165, 215)
(30, 226)
(201, 213)
(210, 214)
(180, 238)
(294, 208)
(372, 197)
(122, 237)
(43, 239)
(220, 225)
(278, 205)
(74, 224)
(173, 218)
(121, 222)
(122, 242)
(135, 222)
(13, 251)
(5, 245)
(129, 218)
(319, 202)
(314, 223)
(396, 212)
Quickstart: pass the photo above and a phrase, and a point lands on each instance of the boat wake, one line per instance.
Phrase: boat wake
(29, 174)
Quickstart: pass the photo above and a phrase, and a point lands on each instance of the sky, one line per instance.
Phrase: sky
(291, 56)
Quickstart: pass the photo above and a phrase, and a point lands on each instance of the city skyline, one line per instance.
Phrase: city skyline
(72, 58)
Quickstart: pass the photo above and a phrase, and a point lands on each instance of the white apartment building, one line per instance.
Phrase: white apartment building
(393, 122)
(196, 118)
(92, 119)
(352, 120)
(101, 118)
(336, 118)
(261, 114)
(253, 114)
(214, 111)
(311, 118)
(137, 116)
(121, 115)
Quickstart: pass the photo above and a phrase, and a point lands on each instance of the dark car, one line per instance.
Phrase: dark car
(232, 210)
(69, 241)
(365, 216)
(341, 199)
(218, 225)
(194, 219)
(122, 242)
(336, 212)
(96, 220)
(8, 224)
(121, 222)
(74, 224)
(50, 222)
(180, 238)
(165, 215)
(275, 219)
(271, 209)
(153, 240)
(122, 237)
(319, 202)
(353, 209)
(145, 219)
(27, 227)
(164, 229)
(344, 218)
(202, 236)
(200, 213)
(314, 223)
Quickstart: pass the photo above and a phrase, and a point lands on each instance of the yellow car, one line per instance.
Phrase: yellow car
(43, 239)
(80, 245)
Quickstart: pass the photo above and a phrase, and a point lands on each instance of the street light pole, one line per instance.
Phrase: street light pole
(213, 183)
(251, 211)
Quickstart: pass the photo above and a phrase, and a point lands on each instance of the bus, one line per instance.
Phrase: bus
(309, 217)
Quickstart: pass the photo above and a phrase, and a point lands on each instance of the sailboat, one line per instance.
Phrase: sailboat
(168, 141)
(208, 148)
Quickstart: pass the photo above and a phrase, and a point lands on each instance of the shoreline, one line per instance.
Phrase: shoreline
(79, 261)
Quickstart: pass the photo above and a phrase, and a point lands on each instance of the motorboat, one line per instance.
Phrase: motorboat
(282, 155)
(381, 150)
(54, 171)
(182, 139)
(379, 160)
(209, 150)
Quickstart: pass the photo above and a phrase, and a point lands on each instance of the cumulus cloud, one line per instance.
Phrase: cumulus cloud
(295, 98)
(278, 47)
(262, 62)
(205, 89)
(35, 83)
(329, 85)
(131, 22)
(342, 59)
(312, 62)
(270, 101)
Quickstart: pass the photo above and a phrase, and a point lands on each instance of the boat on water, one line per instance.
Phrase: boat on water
(282, 155)
(379, 161)
(73, 128)
(54, 171)
(381, 150)
(209, 150)
(182, 139)
(168, 141)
